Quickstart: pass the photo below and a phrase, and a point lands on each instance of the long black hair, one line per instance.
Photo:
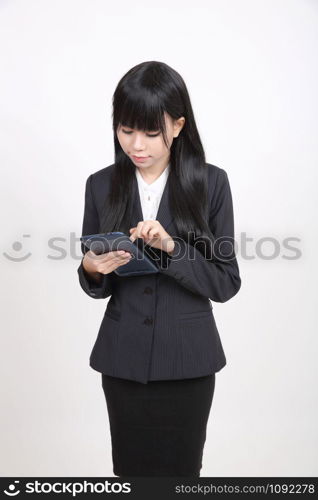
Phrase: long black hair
(140, 100)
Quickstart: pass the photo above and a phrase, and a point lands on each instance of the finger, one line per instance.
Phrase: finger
(116, 253)
(133, 235)
(144, 229)
(139, 227)
(123, 263)
(116, 256)
(112, 264)
(154, 233)
(154, 229)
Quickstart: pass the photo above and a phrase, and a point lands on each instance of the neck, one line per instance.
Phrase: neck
(150, 174)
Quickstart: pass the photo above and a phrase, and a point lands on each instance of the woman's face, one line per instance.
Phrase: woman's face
(149, 145)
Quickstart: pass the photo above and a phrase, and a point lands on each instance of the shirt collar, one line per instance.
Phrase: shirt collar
(155, 186)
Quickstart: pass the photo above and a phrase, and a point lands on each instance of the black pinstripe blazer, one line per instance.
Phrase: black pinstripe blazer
(161, 326)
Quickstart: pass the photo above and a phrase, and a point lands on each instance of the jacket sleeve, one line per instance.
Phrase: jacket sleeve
(217, 278)
(91, 226)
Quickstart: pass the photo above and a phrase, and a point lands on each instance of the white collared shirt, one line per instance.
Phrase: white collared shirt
(150, 194)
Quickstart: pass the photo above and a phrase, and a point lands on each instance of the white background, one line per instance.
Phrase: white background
(251, 70)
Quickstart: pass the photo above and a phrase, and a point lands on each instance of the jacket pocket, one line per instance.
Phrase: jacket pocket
(201, 347)
(194, 315)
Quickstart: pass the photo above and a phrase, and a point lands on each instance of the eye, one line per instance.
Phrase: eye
(149, 135)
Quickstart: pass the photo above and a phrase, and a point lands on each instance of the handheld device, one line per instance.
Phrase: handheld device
(116, 240)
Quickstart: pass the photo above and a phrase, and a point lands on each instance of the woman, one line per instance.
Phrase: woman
(158, 346)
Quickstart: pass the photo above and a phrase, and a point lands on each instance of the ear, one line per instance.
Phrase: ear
(178, 125)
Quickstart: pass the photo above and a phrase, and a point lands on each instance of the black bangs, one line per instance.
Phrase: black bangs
(139, 109)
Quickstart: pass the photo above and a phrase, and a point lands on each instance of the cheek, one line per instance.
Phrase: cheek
(159, 146)
(162, 146)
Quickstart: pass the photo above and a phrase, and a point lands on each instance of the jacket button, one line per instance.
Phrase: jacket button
(148, 321)
(148, 290)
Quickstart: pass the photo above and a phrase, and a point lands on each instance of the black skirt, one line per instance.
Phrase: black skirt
(158, 428)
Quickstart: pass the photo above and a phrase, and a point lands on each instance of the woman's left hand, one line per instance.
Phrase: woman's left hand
(153, 234)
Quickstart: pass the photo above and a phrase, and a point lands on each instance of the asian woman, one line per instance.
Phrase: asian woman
(158, 347)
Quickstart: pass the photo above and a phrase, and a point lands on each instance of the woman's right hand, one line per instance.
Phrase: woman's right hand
(105, 263)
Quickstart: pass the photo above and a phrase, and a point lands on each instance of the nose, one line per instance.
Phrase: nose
(138, 142)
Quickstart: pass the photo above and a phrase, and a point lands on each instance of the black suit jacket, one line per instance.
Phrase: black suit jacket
(161, 326)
